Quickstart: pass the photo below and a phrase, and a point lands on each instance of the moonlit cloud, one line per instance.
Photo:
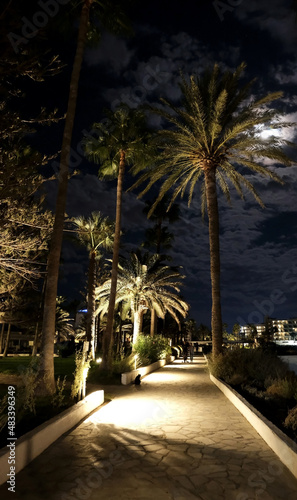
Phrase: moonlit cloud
(112, 53)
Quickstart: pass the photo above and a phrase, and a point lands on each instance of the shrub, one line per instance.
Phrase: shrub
(29, 376)
(248, 366)
(284, 388)
(151, 349)
(123, 365)
(291, 420)
(58, 397)
(80, 375)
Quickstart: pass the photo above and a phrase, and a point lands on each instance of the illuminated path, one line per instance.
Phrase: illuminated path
(177, 437)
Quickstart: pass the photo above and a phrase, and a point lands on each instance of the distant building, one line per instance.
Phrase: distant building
(281, 329)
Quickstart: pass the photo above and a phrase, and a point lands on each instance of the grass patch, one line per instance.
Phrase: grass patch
(14, 365)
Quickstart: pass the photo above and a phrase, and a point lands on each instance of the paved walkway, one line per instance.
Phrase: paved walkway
(176, 437)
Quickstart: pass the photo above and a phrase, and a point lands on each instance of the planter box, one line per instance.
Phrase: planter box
(282, 445)
(30, 445)
(128, 377)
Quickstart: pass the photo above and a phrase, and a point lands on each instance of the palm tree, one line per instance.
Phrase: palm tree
(94, 232)
(216, 130)
(112, 17)
(158, 216)
(159, 236)
(64, 326)
(145, 284)
(122, 143)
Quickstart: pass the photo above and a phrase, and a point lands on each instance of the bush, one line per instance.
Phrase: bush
(151, 349)
(123, 365)
(291, 420)
(285, 388)
(81, 373)
(248, 366)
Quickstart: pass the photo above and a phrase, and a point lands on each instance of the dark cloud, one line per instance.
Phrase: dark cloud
(112, 54)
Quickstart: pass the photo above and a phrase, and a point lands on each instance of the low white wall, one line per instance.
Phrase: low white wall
(128, 377)
(282, 445)
(30, 445)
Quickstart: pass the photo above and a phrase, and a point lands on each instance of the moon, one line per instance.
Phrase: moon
(266, 133)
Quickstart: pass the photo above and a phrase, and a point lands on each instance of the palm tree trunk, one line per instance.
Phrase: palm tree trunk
(108, 334)
(98, 345)
(214, 247)
(136, 325)
(1, 337)
(46, 370)
(153, 327)
(91, 304)
(7, 341)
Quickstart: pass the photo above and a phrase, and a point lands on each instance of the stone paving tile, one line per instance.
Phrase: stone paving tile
(177, 439)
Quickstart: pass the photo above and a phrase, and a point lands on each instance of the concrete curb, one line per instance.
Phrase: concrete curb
(128, 377)
(30, 445)
(282, 445)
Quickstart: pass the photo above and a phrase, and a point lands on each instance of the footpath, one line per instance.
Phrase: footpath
(174, 437)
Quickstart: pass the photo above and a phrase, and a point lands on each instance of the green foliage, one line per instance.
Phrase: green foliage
(27, 395)
(94, 232)
(125, 131)
(151, 349)
(144, 282)
(123, 365)
(246, 366)
(58, 397)
(81, 372)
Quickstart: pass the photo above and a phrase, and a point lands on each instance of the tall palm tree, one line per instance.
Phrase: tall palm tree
(121, 143)
(215, 131)
(145, 284)
(95, 233)
(161, 214)
(158, 236)
(111, 16)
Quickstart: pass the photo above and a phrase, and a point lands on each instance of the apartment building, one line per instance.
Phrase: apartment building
(280, 329)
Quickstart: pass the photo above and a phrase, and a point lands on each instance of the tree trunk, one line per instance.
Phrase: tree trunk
(136, 325)
(91, 304)
(153, 327)
(7, 341)
(34, 350)
(1, 337)
(119, 340)
(214, 247)
(46, 371)
(99, 343)
(108, 334)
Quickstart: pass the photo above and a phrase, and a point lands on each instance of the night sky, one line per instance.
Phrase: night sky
(258, 246)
